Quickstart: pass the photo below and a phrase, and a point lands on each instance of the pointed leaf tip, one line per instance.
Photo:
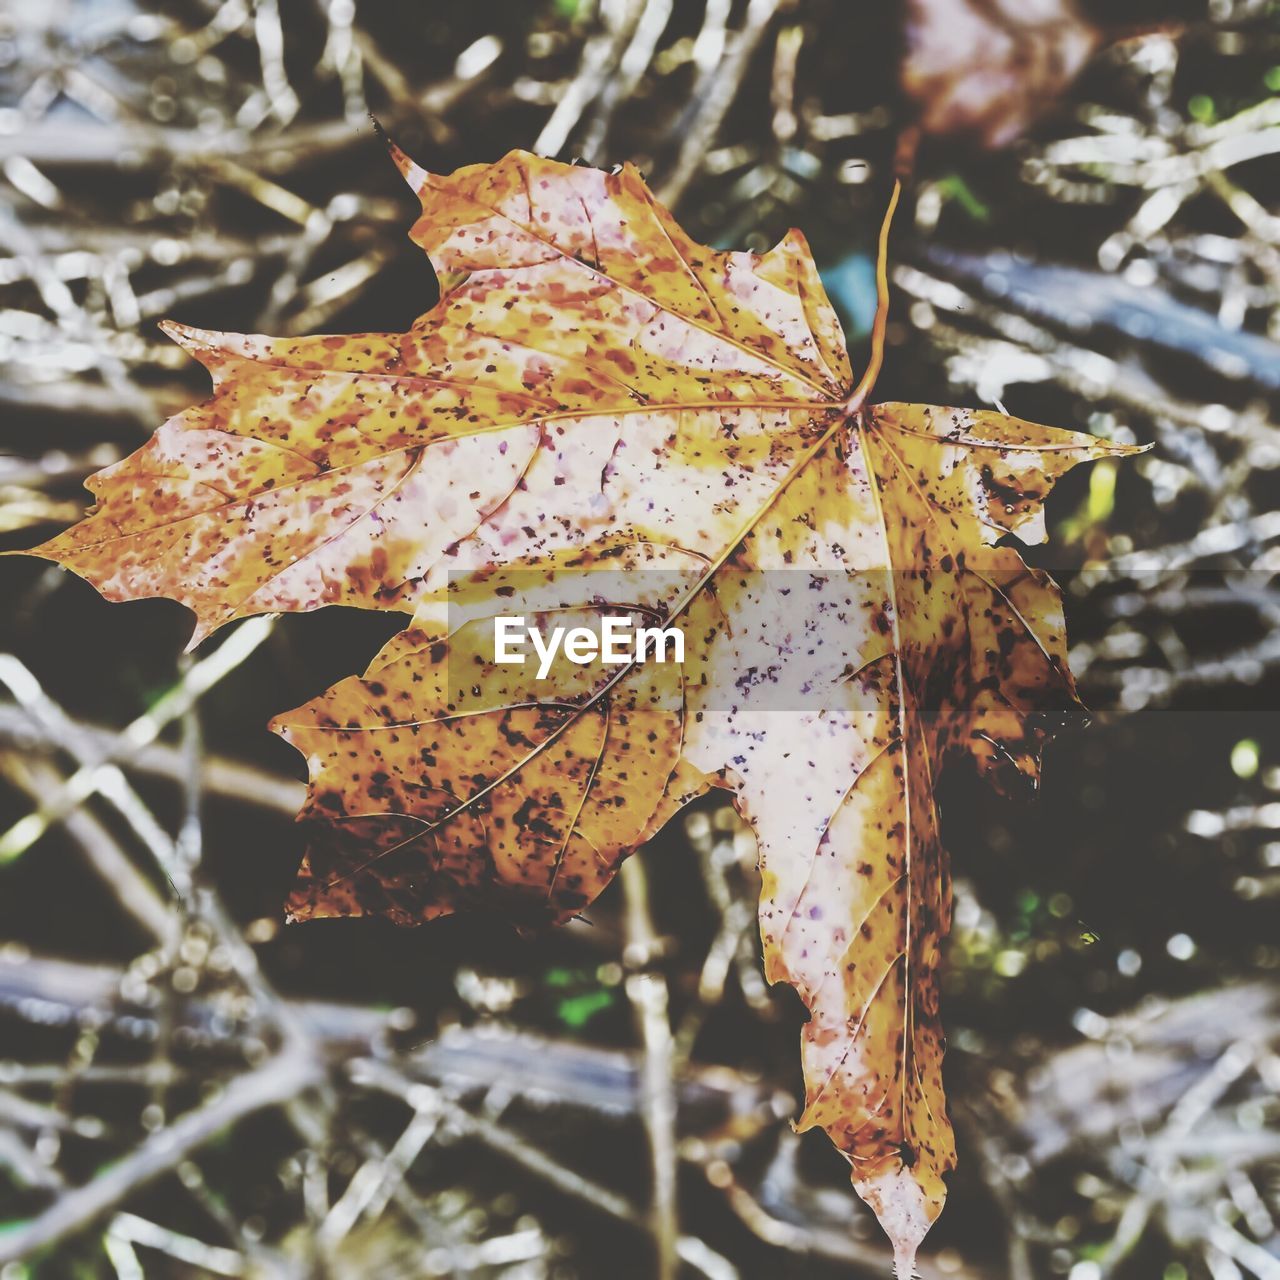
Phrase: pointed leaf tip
(904, 1262)
(206, 345)
(412, 172)
(185, 335)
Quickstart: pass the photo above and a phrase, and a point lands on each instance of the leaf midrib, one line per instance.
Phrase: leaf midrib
(718, 406)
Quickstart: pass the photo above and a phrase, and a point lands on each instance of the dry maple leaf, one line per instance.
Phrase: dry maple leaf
(599, 417)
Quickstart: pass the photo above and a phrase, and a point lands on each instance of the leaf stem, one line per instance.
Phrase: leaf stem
(881, 323)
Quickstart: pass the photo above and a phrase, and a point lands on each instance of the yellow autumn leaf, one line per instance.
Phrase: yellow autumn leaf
(603, 419)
